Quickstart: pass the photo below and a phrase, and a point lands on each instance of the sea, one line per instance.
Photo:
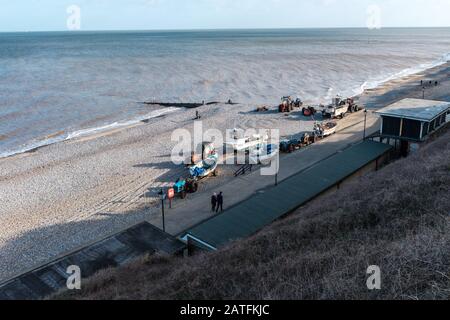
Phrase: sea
(56, 86)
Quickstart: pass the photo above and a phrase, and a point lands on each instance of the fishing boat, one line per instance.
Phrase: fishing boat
(265, 154)
(238, 142)
(208, 165)
(325, 129)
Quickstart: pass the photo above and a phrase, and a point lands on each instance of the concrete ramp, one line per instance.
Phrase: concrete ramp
(113, 251)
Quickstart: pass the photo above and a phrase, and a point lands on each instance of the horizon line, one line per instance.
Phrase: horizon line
(221, 29)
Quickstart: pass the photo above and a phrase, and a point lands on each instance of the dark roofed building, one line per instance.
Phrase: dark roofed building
(413, 119)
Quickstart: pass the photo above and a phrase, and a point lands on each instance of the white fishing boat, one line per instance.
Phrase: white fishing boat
(238, 142)
(325, 129)
(208, 165)
(265, 154)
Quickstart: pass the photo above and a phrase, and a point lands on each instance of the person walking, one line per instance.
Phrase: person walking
(213, 202)
(219, 202)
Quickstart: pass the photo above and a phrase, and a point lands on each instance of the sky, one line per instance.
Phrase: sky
(53, 15)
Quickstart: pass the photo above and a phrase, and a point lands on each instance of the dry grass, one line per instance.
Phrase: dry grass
(397, 219)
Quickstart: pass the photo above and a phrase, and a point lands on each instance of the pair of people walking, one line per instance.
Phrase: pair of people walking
(217, 202)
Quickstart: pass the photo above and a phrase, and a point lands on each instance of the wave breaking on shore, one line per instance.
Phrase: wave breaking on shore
(368, 85)
(61, 137)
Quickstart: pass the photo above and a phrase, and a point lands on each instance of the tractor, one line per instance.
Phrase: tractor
(308, 139)
(288, 104)
(309, 111)
(184, 186)
(339, 108)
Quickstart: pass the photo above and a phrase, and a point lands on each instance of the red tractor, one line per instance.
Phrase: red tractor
(288, 104)
(309, 111)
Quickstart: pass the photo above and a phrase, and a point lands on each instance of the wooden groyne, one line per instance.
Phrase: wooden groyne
(188, 105)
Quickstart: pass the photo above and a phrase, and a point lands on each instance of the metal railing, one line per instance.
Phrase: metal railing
(243, 169)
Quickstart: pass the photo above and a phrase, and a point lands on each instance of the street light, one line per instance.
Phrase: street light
(277, 168)
(163, 197)
(365, 123)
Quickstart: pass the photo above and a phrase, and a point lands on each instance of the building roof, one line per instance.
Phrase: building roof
(251, 215)
(114, 251)
(415, 109)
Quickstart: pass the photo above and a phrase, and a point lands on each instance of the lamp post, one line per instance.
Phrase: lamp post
(163, 197)
(365, 123)
(423, 93)
(277, 168)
